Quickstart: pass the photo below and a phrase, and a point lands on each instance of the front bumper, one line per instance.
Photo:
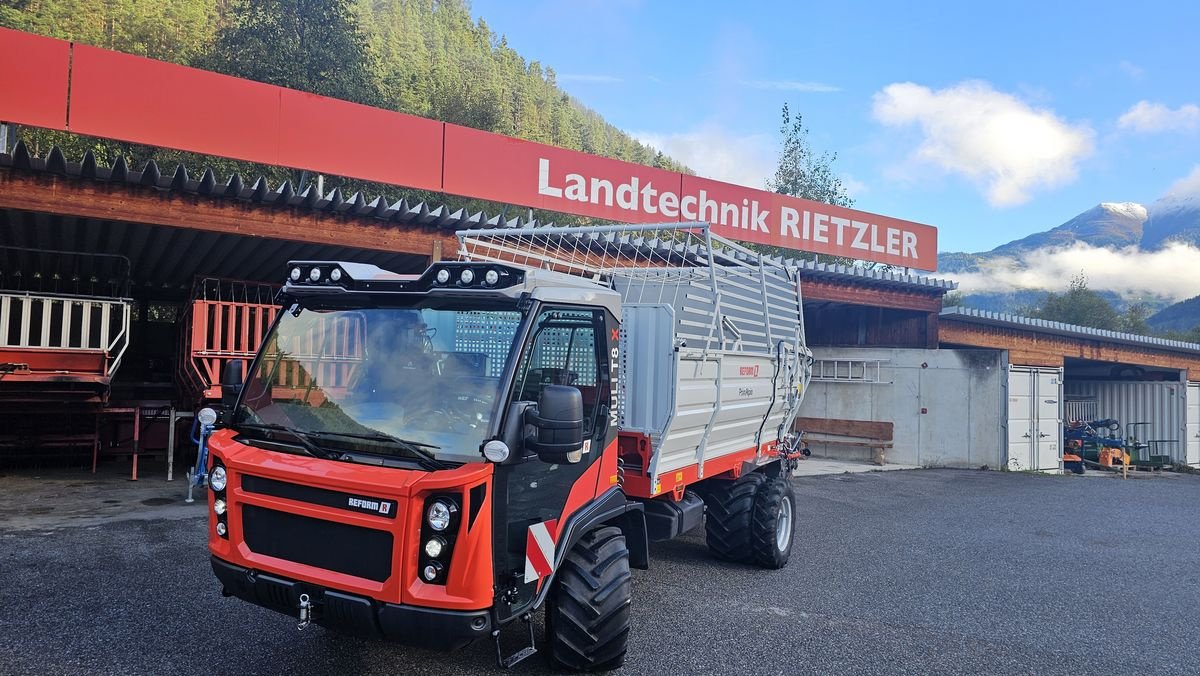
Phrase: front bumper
(358, 615)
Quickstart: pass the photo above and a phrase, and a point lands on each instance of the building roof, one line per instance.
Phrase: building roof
(974, 316)
(379, 209)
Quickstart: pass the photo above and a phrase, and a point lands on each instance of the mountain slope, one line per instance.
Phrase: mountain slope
(1181, 316)
(1173, 219)
(1109, 224)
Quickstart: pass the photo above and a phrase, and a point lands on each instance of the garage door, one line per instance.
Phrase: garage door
(1193, 424)
(1034, 418)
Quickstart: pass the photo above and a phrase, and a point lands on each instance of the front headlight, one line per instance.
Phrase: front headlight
(434, 547)
(439, 515)
(219, 506)
(207, 416)
(217, 479)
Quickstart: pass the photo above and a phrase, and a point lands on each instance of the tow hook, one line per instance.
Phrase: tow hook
(306, 609)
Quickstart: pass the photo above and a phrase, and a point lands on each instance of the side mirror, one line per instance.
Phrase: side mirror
(231, 382)
(557, 422)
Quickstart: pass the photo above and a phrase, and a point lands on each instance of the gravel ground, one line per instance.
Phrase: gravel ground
(900, 572)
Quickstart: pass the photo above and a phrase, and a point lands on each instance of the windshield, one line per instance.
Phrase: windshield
(352, 378)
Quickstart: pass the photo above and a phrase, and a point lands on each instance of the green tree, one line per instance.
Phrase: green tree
(953, 299)
(1079, 305)
(1133, 320)
(802, 171)
(311, 45)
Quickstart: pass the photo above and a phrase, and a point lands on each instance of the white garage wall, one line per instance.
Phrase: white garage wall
(961, 391)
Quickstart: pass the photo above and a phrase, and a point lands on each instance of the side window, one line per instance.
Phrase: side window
(564, 351)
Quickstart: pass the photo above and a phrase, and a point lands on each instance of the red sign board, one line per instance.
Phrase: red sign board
(130, 98)
(33, 79)
(488, 166)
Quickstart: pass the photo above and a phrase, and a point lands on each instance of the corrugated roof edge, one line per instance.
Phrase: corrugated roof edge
(1046, 326)
(421, 214)
(257, 191)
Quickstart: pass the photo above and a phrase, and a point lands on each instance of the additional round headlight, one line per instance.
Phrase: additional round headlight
(443, 276)
(295, 274)
(466, 276)
(314, 274)
(219, 507)
(496, 450)
(335, 275)
(206, 416)
(221, 529)
(491, 277)
(217, 479)
(434, 547)
(431, 571)
(439, 515)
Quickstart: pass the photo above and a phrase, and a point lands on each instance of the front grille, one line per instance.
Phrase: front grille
(353, 550)
(364, 504)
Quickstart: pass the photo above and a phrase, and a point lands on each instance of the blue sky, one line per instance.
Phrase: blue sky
(989, 121)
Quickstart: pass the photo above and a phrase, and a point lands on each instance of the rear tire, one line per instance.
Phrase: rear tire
(729, 515)
(587, 611)
(774, 524)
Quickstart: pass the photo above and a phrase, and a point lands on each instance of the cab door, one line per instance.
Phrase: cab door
(565, 346)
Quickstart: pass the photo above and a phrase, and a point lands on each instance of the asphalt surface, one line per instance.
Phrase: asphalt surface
(933, 571)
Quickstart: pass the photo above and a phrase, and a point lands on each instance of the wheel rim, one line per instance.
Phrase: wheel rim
(783, 534)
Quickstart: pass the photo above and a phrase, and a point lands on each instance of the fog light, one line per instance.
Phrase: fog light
(443, 276)
(221, 529)
(431, 571)
(219, 507)
(217, 479)
(295, 274)
(335, 275)
(491, 277)
(467, 276)
(434, 547)
(439, 515)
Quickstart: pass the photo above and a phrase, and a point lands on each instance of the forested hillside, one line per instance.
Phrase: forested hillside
(424, 57)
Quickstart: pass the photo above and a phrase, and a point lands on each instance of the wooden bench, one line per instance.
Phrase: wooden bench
(872, 434)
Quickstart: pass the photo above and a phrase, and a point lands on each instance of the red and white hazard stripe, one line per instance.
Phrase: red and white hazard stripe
(539, 550)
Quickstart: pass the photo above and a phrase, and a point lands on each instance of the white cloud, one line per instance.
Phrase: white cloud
(1130, 272)
(714, 153)
(995, 139)
(853, 186)
(1132, 69)
(585, 77)
(791, 86)
(1188, 186)
(1147, 117)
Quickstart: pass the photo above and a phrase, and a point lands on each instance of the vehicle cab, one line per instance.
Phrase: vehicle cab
(407, 455)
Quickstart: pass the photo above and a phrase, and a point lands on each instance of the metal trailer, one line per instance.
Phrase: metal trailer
(431, 458)
(713, 364)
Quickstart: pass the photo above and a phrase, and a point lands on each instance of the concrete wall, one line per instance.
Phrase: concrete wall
(961, 391)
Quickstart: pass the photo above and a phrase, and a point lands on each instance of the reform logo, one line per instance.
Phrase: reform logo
(751, 371)
(383, 507)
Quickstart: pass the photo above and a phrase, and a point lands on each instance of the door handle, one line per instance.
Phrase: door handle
(1026, 435)
(1042, 436)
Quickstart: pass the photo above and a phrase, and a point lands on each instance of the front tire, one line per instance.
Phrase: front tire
(587, 611)
(774, 523)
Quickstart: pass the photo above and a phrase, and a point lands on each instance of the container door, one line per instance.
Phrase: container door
(1193, 424)
(1048, 428)
(1020, 418)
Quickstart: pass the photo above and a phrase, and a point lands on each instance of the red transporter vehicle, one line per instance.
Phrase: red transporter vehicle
(428, 458)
